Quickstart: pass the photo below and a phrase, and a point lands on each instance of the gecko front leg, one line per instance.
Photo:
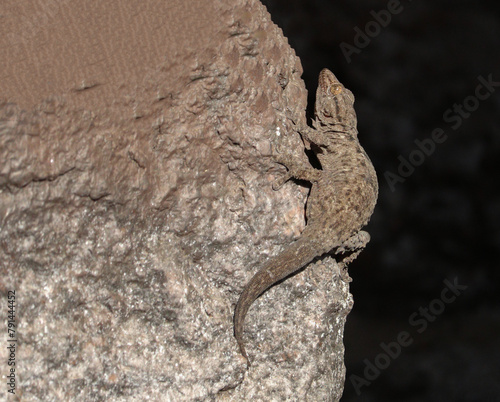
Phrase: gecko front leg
(297, 169)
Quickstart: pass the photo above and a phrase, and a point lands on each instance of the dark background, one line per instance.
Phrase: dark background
(443, 221)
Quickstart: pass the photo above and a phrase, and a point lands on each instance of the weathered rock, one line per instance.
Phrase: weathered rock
(136, 201)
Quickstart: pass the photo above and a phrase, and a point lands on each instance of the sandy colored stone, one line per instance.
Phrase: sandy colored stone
(136, 201)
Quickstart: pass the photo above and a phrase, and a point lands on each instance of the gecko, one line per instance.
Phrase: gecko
(341, 201)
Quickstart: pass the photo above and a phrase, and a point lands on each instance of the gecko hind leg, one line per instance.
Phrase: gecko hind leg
(355, 244)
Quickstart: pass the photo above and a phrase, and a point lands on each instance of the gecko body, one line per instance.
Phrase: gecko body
(342, 198)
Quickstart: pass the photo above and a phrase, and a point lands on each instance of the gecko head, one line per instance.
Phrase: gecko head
(334, 103)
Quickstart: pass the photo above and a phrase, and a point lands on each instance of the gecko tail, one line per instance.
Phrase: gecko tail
(293, 258)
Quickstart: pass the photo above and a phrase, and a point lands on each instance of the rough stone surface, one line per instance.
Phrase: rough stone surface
(133, 211)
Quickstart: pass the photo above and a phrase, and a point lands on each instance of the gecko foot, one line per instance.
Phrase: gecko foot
(354, 245)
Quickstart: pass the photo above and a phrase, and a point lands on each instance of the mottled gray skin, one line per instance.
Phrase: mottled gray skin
(343, 194)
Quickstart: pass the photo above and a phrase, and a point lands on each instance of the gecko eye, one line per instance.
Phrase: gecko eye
(335, 89)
